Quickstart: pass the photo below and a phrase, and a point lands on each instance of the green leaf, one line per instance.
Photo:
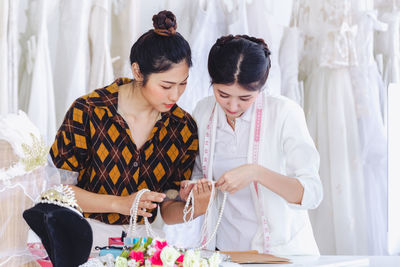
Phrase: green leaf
(148, 242)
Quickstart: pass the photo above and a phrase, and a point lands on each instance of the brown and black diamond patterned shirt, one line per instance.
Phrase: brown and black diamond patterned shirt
(95, 141)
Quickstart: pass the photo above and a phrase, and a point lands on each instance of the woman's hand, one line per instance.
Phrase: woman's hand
(201, 195)
(185, 189)
(237, 178)
(148, 201)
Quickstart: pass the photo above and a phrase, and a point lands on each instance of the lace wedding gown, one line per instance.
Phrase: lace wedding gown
(339, 223)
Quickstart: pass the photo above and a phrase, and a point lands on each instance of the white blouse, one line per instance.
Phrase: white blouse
(239, 221)
(286, 147)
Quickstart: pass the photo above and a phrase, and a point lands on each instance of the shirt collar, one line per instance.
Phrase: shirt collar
(107, 99)
(246, 116)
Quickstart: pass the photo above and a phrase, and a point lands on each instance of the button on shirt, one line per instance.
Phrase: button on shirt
(95, 141)
(239, 222)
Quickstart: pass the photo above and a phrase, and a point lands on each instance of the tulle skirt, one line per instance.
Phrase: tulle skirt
(339, 222)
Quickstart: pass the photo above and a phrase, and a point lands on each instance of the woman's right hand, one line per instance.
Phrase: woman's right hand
(148, 201)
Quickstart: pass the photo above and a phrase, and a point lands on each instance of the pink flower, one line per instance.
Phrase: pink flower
(180, 259)
(160, 245)
(137, 256)
(155, 259)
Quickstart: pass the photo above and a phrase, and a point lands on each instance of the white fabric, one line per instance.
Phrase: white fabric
(289, 63)
(368, 88)
(4, 100)
(388, 44)
(13, 60)
(184, 11)
(18, 131)
(37, 81)
(209, 25)
(333, 126)
(236, 16)
(287, 148)
(19, 186)
(101, 71)
(125, 19)
(8, 57)
(72, 61)
(339, 223)
(267, 20)
(239, 220)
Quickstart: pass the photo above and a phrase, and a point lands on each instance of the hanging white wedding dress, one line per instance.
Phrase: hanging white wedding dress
(72, 58)
(339, 223)
(3, 57)
(37, 81)
(236, 16)
(267, 19)
(8, 57)
(368, 88)
(210, 24)
(289, 54)
(101, 70)
(125, 22)
(184, 11)
(388, 43)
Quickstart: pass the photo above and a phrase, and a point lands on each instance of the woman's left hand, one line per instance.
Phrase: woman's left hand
(237, 178)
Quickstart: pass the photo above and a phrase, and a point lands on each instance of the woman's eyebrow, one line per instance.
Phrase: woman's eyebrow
(175, 82)
(222, 92)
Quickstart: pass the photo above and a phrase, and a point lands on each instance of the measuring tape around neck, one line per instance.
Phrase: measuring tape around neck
(255, 154)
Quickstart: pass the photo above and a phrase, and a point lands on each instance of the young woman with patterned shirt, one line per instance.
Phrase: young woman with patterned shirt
(131, 135)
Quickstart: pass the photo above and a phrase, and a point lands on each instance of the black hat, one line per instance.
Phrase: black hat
(65, 233)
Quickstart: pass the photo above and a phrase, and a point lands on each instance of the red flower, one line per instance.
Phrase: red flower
(160, 245)
(137, 256)
(155, 259)
(180, 259)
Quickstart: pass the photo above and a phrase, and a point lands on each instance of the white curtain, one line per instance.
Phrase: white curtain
(72, 54)
(8, 57)
(37, 80)
(3, 57)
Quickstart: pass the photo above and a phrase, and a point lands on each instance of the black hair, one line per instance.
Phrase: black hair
(239, 59)
(156, 50)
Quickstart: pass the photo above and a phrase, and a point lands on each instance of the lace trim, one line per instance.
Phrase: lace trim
(35, 155)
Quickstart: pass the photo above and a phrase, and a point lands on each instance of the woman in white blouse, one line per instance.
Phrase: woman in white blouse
(258, 149)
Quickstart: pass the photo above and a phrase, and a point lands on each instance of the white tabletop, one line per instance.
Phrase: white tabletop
(336, 261)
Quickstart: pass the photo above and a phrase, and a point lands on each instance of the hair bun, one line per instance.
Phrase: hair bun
(165, 23)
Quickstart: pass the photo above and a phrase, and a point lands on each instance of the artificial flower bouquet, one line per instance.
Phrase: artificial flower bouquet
(157, 252)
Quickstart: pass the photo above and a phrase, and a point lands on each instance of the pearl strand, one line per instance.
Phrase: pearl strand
(134, 214)
(221, 211)
(187, 210)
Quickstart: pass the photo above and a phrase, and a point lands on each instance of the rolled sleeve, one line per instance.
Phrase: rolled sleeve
(302, 158)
